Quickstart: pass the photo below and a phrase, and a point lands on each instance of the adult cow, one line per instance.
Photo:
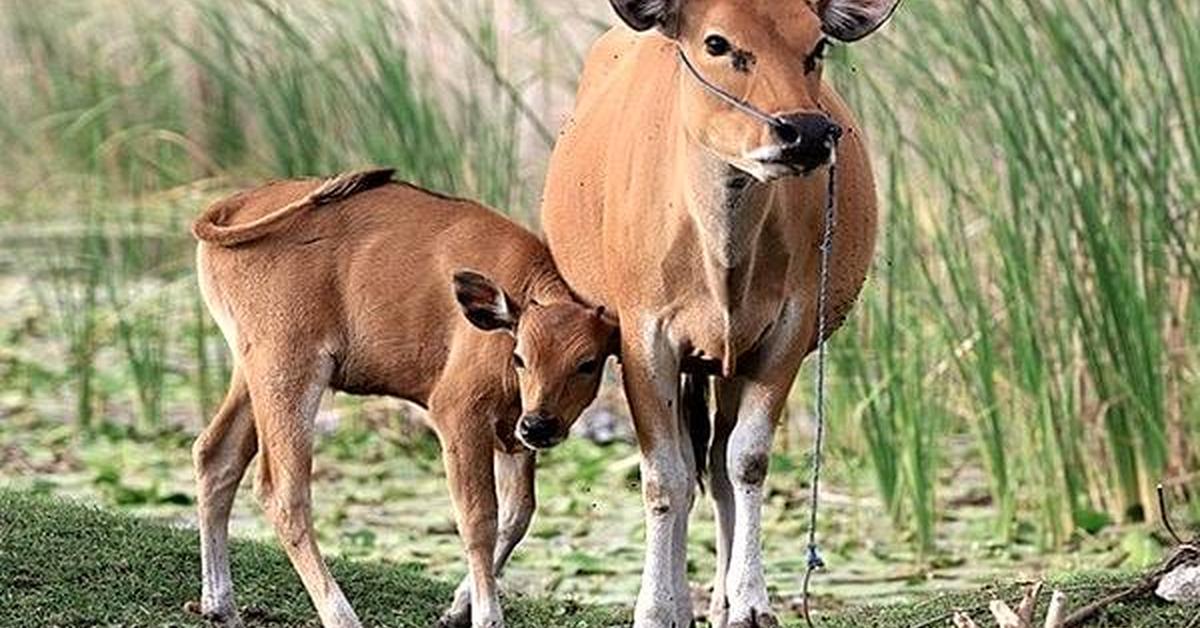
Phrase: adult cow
(687, 194)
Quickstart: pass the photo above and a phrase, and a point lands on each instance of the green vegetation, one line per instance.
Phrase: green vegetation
(1040, 256)
(71, 565)
(1021, 370)
(140, 573)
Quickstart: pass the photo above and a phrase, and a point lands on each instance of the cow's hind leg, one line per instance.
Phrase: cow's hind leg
(286, 394)
(221, 455)
(515, 490)
(721, 492)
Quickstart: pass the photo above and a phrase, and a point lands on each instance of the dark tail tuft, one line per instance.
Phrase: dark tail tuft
(697, 420)
(211, 225)
(349, 184)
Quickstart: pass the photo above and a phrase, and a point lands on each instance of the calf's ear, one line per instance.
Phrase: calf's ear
(852, 20)
(484, 303)
(643, 15)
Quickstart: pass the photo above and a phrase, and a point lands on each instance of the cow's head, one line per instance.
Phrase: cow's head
(767, 54)
(559, 354)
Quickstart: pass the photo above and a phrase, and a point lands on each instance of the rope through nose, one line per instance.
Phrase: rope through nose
(814, 559)
(733, 101)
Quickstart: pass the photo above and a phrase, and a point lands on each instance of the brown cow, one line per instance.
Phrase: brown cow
(687, 194)
(352, 285)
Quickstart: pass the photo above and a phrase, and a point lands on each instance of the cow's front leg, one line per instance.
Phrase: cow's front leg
(748, 453)
(651, 378)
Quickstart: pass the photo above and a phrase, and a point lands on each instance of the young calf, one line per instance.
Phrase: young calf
(357, 284)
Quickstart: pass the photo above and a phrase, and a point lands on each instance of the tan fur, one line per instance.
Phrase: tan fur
(639, 219)
(349, 284)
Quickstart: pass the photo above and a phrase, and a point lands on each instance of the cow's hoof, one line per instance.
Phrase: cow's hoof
(757, 619)
(454, 620)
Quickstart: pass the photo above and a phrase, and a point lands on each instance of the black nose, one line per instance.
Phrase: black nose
(806, 128)
(539, 430)
(807, 138)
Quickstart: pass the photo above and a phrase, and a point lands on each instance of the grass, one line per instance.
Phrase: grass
(73, 565)
(1034, 296)
(1039, 252)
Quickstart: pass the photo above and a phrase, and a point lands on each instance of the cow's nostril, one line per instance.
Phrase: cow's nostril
(786, 131)
(835, 131)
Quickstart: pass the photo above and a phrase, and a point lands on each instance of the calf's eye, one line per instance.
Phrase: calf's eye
(589, 367)
(717, 46)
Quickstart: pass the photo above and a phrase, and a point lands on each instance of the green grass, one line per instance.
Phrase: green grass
(1035, 293)
(1039, 256)
(68, 564)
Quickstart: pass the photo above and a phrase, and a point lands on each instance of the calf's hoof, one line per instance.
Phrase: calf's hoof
(757, 619)
(718, 618)
(224, 617)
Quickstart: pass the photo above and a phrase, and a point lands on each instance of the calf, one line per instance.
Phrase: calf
(357, 284)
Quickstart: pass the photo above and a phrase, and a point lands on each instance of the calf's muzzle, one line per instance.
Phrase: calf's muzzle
(541, 431)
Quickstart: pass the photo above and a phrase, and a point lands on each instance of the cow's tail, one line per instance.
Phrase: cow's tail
(697, 420)
(211, 225)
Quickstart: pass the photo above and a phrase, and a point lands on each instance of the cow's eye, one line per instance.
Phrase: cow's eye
(589, 367)
(518, 362)
(717, 46)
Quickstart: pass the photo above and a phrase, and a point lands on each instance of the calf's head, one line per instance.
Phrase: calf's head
(559, 354)
(767, 54)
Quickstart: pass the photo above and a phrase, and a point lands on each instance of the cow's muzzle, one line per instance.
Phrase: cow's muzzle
(806, 140)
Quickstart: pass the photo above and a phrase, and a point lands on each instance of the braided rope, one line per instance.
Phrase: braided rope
(815, 561)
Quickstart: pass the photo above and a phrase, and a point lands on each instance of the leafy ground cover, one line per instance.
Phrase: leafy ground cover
(68, 564)
(380, 495)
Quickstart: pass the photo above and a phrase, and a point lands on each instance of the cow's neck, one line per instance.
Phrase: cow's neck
(541, 283)
(729, 210)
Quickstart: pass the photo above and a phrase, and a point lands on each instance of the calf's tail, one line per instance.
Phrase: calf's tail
(211, 225)
(695, 416)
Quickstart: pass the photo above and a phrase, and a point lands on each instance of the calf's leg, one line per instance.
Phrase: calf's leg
(467, 454)
(515, 490)
(221, 455)
(286, 394)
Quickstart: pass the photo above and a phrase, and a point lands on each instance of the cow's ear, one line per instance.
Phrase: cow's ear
(852, 20)
(643, 15)
(484, 303)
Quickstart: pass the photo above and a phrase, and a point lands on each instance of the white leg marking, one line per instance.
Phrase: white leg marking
(664, 490)
(216, 597)
(749, 452)
(652, 385)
